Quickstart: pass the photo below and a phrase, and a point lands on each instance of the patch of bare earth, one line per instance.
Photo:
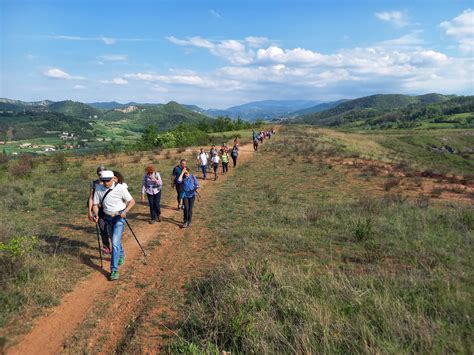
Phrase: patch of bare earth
(407, 181)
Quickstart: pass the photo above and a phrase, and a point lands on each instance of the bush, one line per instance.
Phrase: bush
(3, 158)
(22, 167)
(390, 183)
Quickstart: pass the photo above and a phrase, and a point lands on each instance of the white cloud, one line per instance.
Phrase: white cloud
(255, 42)
(396, 18)
(114, 57)
(57, 73)
(461, 28)
(233, 50)
(215, 14)
(115, 81)
(79, 87)
(106, 40)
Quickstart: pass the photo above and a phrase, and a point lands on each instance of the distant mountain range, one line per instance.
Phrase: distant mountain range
(265, 110)
(30, 119)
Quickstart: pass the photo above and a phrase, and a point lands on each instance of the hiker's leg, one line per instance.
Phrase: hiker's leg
(118, 224)
(186, 209)
(178, 192)
(104, 233)
(234, 159)
(158, 204)
(151, 203)
(190, 209)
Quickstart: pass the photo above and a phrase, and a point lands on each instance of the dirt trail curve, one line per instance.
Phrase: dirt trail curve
(180, 255)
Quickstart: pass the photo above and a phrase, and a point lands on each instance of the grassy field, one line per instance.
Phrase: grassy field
(323, 257)
(335, 262)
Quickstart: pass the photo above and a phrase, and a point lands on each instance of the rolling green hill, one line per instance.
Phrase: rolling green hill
(74, 109)
(163, 117)
(391, 111)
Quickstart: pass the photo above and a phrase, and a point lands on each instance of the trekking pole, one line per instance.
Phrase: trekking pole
(198, 195)
(131, 230)
(98, 243)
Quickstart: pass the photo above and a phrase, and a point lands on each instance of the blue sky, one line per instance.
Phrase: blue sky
(222, 53)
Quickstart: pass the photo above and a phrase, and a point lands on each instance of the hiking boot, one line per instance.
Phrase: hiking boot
(114, 275)
(106, 250)
(185, 225)
(121, 260)
(152, 221)
(189, 224)
(158, 219)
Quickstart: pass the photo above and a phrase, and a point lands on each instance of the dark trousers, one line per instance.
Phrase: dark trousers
(154, 203)
(188, 209)
(225, 167)
(255, 146)
(234, 160)
(104, 231)
(178, 192)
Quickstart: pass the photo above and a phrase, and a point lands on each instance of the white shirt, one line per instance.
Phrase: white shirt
(115, 201)
(215, 159)
(202, 157)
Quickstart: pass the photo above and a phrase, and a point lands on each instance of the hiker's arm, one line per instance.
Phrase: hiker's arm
(143, 189)
(95, 213)
(130, 204)
(89, 211)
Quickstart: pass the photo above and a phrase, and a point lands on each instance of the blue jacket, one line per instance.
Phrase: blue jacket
(189, 186)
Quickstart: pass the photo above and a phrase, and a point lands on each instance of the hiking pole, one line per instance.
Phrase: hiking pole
(98, 243)
(198, 195)
(131, 230)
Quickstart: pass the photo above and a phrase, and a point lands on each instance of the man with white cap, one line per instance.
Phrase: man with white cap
(116, 201)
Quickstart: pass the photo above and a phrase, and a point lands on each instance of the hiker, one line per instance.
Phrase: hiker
(174, 180)
(255, 144)
(215, 164)
(234, 153)
(225, 161)
(189, 187)
(202, 162)
(212, 152)
(116, 201)
(97, 185)
(151, 186)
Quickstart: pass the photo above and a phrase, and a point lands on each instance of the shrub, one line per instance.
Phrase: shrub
(22, 167)
(3, 158)
(363, 230)
(14, 255)
(391, 182)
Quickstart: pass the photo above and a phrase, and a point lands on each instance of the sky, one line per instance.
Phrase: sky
(216, 54)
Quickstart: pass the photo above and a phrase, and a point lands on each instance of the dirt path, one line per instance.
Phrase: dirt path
(97, 314)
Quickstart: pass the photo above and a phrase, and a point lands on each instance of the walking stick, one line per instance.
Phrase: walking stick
(98, 243)
(131, 230)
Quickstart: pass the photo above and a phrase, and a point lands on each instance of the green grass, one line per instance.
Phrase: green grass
(327, 266)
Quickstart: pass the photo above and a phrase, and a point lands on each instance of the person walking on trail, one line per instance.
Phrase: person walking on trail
(174, 180)
(212, 151)
(215, 164)
(189, 187)
(202, 159)
(151, 186)
(234, 154)
(255, 144)
(97, 185)
(225, 161)
(116, 202)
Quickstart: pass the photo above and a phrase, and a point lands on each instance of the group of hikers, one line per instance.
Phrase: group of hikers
(110, 201)
(260, 136)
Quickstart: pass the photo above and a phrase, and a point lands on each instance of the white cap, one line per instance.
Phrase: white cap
(106, 175)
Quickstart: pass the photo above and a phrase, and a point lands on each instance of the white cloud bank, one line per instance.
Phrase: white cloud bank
(461, 28)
